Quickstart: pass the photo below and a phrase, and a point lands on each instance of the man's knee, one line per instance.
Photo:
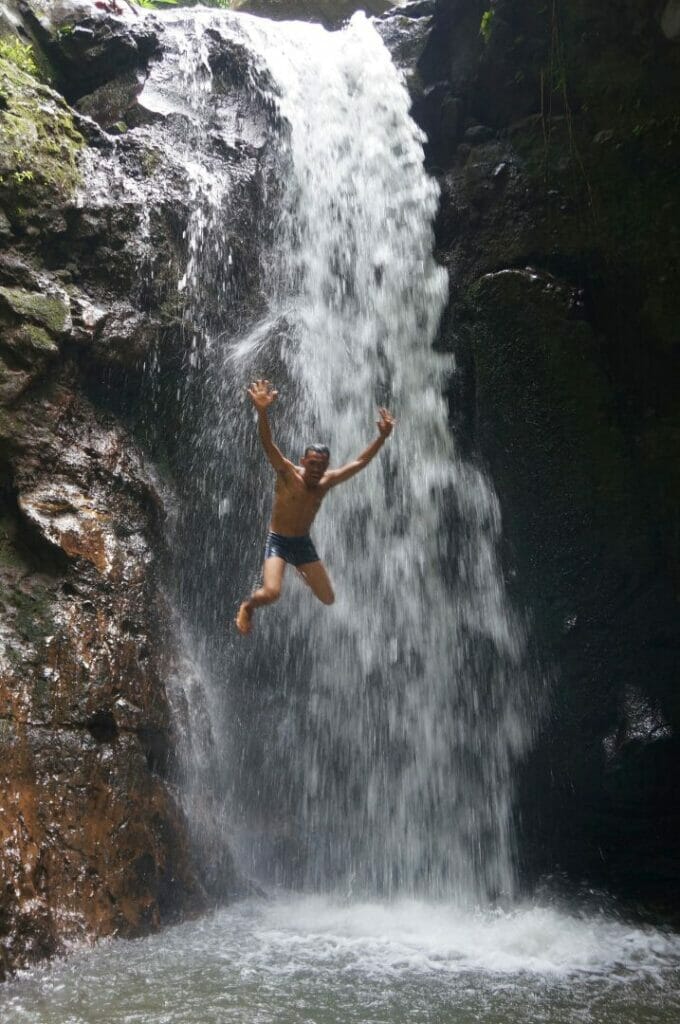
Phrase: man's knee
(328, 598)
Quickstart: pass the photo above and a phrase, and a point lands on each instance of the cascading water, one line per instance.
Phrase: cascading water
(394, 717)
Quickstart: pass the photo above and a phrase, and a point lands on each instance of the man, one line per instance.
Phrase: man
(297, 498)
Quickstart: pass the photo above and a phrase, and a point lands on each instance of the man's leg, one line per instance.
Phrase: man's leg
(272, 578)
(315, 576)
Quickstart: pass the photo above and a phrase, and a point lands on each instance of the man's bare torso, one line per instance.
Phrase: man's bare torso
(295, 503)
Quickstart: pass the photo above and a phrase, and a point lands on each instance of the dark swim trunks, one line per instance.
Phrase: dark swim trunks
(294, 550)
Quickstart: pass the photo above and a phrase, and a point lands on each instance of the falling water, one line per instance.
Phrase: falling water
(393, 719)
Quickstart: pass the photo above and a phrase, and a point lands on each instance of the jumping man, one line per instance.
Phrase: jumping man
(297, 498)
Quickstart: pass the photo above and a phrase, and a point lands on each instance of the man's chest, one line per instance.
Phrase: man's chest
(296, 495)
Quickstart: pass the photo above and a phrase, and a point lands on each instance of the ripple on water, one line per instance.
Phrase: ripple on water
(312, 960)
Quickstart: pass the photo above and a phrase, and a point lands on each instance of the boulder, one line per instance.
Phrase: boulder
(112, 102)
(49, 311)
(406, 32)
(670, 20)
(88, 45)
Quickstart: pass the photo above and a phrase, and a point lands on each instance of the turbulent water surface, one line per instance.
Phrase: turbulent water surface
(314, 961)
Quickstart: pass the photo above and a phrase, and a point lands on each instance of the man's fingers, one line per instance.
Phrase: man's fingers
(262, 391)
(386, 422)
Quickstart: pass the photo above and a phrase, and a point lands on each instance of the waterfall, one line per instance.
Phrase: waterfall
(373, 742)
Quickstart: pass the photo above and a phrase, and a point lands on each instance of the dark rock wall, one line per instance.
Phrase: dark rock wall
(554, 131)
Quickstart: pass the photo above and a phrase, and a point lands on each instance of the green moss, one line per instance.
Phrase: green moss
(486, 25)
(150, 161)
(47, 311)
(37, 340)
(32, 612)
(39, 145)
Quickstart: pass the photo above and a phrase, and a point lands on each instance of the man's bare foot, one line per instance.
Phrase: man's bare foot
(244, 619)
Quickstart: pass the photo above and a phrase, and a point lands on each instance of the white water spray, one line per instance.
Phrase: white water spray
(404, 702)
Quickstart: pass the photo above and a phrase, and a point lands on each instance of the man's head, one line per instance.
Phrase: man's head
(315, 461)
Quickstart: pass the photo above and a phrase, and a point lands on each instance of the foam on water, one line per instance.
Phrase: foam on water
(439, 937)
(312, 960)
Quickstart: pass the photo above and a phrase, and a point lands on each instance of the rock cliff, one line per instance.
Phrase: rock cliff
(93, 837)
(555, 134)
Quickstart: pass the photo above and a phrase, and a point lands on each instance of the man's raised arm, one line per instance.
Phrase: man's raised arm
(385, 427)
(262, 395)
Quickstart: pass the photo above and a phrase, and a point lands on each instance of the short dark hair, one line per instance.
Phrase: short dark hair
(320, 449)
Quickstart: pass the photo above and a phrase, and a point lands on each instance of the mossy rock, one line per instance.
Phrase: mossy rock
(39, 146)
(29, 343)
(26, 351)
(49, 312)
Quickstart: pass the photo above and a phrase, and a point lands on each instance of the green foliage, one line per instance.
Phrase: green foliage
(19, 53)
(152, 5)
(485, 25)
(20, 177)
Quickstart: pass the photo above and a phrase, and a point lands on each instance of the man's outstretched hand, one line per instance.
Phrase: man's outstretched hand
(385, 423)
(262, 394)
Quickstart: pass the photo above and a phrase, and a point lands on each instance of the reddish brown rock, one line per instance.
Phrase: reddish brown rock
(92, 840)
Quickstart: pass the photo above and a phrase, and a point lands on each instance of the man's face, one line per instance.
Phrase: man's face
(315, 465)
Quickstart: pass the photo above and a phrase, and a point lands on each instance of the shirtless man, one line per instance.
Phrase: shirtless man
(297, 498)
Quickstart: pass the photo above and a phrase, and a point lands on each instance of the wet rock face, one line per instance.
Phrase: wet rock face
(554, 142)
(88, 46)
(93, 840)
